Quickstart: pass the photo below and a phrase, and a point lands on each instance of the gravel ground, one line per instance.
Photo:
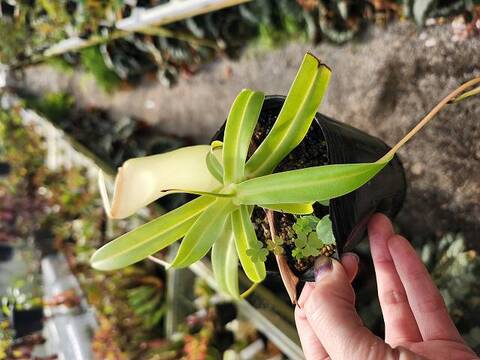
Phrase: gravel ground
(382, 84)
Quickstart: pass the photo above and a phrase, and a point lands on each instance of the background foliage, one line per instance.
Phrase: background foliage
(31, 27)
(130, 304)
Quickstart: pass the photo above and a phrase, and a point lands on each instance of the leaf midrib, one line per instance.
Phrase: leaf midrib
(291, 124)
(221, 209)
(244, 232)
(152, 237)
(235, 174)
(306, 183)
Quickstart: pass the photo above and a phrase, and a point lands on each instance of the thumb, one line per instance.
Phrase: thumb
(330, 310)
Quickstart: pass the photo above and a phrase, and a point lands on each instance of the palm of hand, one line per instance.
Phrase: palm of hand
(440, 349)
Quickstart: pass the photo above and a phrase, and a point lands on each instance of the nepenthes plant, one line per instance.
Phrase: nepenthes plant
(233, 178)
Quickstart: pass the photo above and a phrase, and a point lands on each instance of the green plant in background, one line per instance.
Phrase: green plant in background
(64, 204)
(276, 21)
(18, 192)
(55, 106)
(148, 303)
(229, 186)
(16, 41)
(31, 27)
(22, 148)
(93, 62)
(22, 295)
(93, 130)
(6, 338)
(454, 267)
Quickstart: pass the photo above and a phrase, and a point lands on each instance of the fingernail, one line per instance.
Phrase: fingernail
(322, 266)
(355, 256)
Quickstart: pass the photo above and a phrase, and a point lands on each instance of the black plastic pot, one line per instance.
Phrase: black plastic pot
(26, 322)
(5, 169)
(6, 253)
(384, 193)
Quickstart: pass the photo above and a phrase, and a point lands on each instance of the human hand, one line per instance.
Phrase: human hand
(417, 324)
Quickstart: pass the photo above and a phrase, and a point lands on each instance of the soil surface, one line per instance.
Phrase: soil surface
(382, 84)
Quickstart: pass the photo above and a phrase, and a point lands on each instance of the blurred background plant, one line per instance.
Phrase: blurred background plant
(113, 140)
(21, 204)
(68, 218)
(23, 294)
(6, 338)
(130, 304)
(455, 269)
(30, 27)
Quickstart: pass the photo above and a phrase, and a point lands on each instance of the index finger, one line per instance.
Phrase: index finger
(331, 313)
(311, 345)
(425, 300)
(400, 324)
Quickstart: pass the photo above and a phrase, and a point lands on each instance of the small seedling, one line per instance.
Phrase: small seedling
(257, 252)
(230, 186)
(306, 241)
(312, 235)
(275, 245)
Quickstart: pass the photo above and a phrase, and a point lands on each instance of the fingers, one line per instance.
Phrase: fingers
(311, 345)
(350, 264)
(425, 300)
(331, 314)
(400, 324)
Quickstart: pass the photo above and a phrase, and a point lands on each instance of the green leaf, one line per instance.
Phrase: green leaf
(205, 193)
(278, 240)
(270, 245)
(257, 252)
(308, 223)
(216, 145)
(298, 228)
(150, 237)
(278, 250)
(294, 119)
(213, 164)
(301, 240)
(258, 255)
(325, 230)
(139, 295)
(297, 253)
(297, 209)
(314, 241)
(239, 129)
(310, 251)
(245, 239)
(225, 262)
(466, 95)
(306, 185)
(202, 235)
